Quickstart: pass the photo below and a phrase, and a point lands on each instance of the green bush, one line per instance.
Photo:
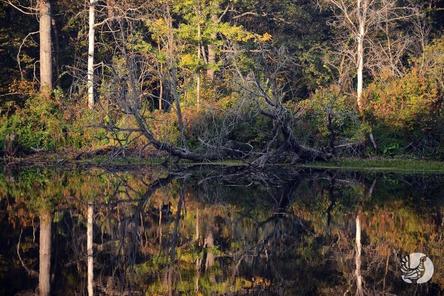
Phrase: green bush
(407, 112)
(344, 119)
(48, 124)
(38, 125)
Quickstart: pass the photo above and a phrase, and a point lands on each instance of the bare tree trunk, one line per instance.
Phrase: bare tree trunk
(45, 47)
(360, 54)
(89, 249)
(45, 253)
(360, 74)
(91, 35)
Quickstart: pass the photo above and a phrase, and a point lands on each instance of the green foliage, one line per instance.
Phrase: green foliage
(39, 125)
(407, 112)
(330, 110)
(46, 124)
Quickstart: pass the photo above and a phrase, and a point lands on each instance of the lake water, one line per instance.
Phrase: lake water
(223, 231)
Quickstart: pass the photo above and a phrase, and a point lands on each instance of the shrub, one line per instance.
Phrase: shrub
(47, 124)
(407, 112)
(344, 118)
(38, 125)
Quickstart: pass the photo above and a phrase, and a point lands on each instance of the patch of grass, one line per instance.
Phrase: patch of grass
(387, 165)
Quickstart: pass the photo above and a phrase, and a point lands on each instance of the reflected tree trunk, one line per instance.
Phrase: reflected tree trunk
(45, 253)
(197, 276)
(359, 289)
(89, 248)
(209, 262)
(199, 259)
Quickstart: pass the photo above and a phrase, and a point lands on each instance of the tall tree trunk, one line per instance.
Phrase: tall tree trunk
(360, 74)
(89, 249)
(45, 253)
(360, 55)
(45, 47)
(91, 35)
(363, 6)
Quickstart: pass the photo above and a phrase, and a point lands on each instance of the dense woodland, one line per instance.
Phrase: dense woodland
(206, 80)
(217, 90)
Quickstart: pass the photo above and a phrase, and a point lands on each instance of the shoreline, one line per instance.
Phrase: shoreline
(75, 159)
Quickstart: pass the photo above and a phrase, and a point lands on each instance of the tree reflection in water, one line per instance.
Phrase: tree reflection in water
(228, 232)
(45, 253)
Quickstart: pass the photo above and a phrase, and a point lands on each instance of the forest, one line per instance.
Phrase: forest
(260, 82)
(221, 147)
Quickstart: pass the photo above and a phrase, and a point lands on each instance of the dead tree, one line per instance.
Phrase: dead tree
(91, 44)
(268, 93)
(360, 25)
(138, 67)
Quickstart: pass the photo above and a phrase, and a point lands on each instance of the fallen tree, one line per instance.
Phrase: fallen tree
(131, 94)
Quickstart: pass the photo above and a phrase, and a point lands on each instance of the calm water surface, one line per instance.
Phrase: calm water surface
(216, 232)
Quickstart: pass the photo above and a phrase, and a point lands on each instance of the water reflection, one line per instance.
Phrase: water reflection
(45, 252)
(219, 232)
(89, 248)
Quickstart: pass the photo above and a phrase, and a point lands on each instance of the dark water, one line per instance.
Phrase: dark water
(217, 232)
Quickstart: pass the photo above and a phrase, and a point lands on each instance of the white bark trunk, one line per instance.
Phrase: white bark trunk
(360, 55)
(89, 249)
(360, 82)
(45, 47)
(91, 35)
(45, 253)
